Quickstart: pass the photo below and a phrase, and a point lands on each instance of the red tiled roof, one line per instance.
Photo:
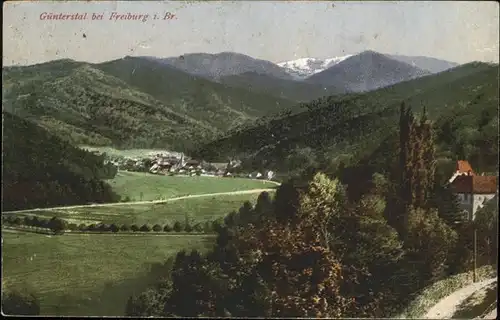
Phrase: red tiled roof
(475, 184)
(464, 166)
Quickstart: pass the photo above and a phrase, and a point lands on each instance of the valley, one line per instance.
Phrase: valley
(135, 184)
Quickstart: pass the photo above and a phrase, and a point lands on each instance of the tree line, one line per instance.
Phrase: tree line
(58, 225)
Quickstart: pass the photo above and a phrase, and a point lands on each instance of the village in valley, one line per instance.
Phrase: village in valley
(173, 163)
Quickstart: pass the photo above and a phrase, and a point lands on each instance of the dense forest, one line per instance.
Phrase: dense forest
(462, 102)
(314, 250)
(40, 170)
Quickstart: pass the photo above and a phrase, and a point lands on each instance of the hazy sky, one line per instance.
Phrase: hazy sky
(275, 31)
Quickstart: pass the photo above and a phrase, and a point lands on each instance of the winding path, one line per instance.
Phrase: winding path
(147, 202)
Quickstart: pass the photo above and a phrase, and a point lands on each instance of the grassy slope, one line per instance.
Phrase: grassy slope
(441, 289)
(130, 103)
(196, 209)
(153, 187)
(358, 123)
(78, 275)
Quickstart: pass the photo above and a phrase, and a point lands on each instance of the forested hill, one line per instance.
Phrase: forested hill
(40, 170)
(463, 101)
(129, 102)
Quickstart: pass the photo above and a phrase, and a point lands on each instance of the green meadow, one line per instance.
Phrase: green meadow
(196, 209)
(144, 186)
(85, 275)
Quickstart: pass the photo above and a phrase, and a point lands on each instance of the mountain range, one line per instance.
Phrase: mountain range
(306, 78)
(181, 102)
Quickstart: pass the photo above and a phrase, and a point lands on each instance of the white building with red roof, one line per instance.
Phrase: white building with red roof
(472, 190)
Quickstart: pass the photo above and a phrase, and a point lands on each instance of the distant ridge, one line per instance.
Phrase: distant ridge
(366, 71)
(215, 66)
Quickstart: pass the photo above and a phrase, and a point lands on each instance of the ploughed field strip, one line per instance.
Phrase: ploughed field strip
(197, 209)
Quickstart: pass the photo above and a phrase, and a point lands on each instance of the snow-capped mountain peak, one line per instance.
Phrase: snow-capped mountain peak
(305, 67)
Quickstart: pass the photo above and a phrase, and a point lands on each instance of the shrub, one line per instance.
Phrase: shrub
(35, 222)
(114, 228)
(125, 227)
(207, 227)
(17, 221)
(28, 221)
(92, 227)
(177, 226)
(167, 228)
(198, 227)
(134, 228)
(57, 225)
(10, 219)
(145, 228)
(44, 223)
(157, 228)
(104, 227)
(82, 227)
(72, 226)
(126, 199)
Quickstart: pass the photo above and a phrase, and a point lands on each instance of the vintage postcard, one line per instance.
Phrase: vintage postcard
(300, 159)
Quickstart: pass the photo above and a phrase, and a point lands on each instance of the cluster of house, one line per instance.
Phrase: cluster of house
(178, 164)
(471, 189)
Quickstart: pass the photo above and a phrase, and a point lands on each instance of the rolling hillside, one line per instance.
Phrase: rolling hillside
(352, 126)
(131, 102)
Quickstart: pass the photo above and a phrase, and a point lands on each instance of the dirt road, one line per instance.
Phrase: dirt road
(445, 308)
(148, 202)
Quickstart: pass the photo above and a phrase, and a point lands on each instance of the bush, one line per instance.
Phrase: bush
(198, 227)
(82, 227)
(72, 226)
(134, 228)
(58, 225)
(28, 221)
(92, 227)
(35, 222)
(125, 227)
(188, 227)
(207, 227)
(145, 228)
(167, 228)
(126, 199)
(104, 227)
(17, 221)
(177, 226)
(44, 223)
(157, 228)
(114, 228)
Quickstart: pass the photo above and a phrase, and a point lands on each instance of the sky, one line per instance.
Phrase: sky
(272, 30)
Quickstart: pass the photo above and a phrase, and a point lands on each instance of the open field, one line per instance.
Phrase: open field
(156, 187)
(198, 209)
(87, 274)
